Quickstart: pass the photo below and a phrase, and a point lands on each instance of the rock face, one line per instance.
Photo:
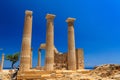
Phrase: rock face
(111, 71)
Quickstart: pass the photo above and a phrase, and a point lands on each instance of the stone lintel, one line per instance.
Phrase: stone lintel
(28, 12)
(43, 46)
(50, 16)
(70, 19)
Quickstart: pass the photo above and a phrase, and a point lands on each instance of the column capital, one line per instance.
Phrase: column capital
(50, 16)
(70, 20)
(28, 12)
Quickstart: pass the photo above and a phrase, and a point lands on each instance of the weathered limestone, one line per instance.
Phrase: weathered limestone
(39, 58)
(49, 63)
(2, 62)
(60, 61)
(79, 58)
(71, 45)
(55, 50)
(43, 46)
(0, 66)
(56, 64)
(26, 42)
(31, 58)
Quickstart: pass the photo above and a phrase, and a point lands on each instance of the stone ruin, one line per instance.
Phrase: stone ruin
(54, 60)
(69, 65)
(61, 60)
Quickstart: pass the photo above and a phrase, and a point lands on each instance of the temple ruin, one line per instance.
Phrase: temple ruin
(54, 60)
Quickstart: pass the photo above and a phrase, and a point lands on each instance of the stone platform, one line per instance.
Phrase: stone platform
(49, 75)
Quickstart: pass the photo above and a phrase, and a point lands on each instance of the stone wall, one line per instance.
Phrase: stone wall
(79, 58)
(60, 61)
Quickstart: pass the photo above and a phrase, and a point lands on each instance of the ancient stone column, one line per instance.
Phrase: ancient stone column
(71, 45)
(26, 42)
(80, 58)
(39, 58)
(2, 62)
(31, 59)
(49, 63)
(0, 67)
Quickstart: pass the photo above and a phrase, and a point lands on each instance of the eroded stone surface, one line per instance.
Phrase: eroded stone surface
(49, 59)
(71, 45)
(25, 61)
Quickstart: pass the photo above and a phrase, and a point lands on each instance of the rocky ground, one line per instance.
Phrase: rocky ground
(103, 72)
(6, 75)
(107, 72)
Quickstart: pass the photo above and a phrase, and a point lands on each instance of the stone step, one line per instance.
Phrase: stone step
(46, 75)
(38, 72)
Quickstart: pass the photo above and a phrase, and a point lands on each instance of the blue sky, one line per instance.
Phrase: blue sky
(97, 27)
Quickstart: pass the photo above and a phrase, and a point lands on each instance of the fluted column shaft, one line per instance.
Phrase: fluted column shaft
(71, 45)
(49, 63)
(26, 42)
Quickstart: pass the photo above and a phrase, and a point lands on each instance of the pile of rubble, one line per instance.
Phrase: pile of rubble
(6, 74)
(108, 71)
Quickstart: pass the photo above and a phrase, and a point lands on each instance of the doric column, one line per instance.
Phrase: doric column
(80, 58)
(39, 58)
(49, 63)
(71, 45)
(26, 42)
(2, 62)
(31, 58)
